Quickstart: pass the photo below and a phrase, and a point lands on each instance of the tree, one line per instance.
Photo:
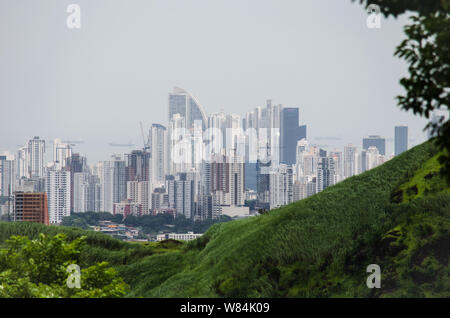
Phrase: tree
(38, 268)
(426, 50)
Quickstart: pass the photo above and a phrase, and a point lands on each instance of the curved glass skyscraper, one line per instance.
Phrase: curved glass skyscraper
(183, 103)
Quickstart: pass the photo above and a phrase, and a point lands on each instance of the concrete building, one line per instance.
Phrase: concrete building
(30, 207)
(61, 151)
(281, 186)
(81, 192)
(126, 208)
(326, 173)
(189, 236)
(158, 143)
(58, 194)
(140, 192)
(350, 164)
(36, 151)
(7, 175)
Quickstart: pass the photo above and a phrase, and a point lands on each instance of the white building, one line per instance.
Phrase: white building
(81, 192)
(58, 194)
(350, 161)
(281, 186)
(22, 161)
(7, 174)
(139, 192)
(326, 173)
(36, 150)
(373, 157)
(158, 143)
(61, 151)
(189, 236)
(106, 176)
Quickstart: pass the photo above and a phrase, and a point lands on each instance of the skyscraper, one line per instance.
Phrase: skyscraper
(291, 132)
(7, 175)
(158, 142)
(138, 165)
(74, 164)
(119, 180)
(326, 173)
(36, 150)
(58, 192)
(350, 164)
(61, 151)
(22, 161)
(80, 192)
(183, 103)
(281, 186)
(106, 176)
(376, 141)
(401, 139)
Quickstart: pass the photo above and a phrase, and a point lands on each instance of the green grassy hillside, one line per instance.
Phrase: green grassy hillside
(317, 247)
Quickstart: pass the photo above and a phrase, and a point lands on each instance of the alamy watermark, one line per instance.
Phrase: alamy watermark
(74, 19)
(374, 279)
(74, 279)
(373, 21)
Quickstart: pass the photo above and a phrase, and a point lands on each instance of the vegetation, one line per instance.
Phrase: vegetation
(317, 247)
(149, 224)
(39, 268)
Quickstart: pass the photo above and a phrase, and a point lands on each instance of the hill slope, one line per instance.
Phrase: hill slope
(320, 246)
(396, 215)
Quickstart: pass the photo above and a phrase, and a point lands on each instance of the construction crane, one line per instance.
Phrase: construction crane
(146, 145)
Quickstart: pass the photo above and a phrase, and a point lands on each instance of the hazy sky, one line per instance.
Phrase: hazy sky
(98, 82)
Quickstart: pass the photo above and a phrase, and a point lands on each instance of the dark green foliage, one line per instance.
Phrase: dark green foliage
(99, 247)
(40, 268)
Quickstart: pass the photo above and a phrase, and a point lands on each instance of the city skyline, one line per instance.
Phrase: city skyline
(54, 148)
(100, 90)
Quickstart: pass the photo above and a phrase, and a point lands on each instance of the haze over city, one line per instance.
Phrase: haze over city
(97, 83)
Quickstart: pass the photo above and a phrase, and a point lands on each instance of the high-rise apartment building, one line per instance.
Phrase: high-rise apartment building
(159, 143)
(350, 164)
(81, 192)
(61, 151)
(140, 192)
(58, 194)
(74, 164)
(138, 165)
(281, 186)
(22, 161)
(7, 175)
(106, 177)
(326, 173)
(36, 150)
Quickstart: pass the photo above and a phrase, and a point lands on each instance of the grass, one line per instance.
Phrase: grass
(317, 247)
